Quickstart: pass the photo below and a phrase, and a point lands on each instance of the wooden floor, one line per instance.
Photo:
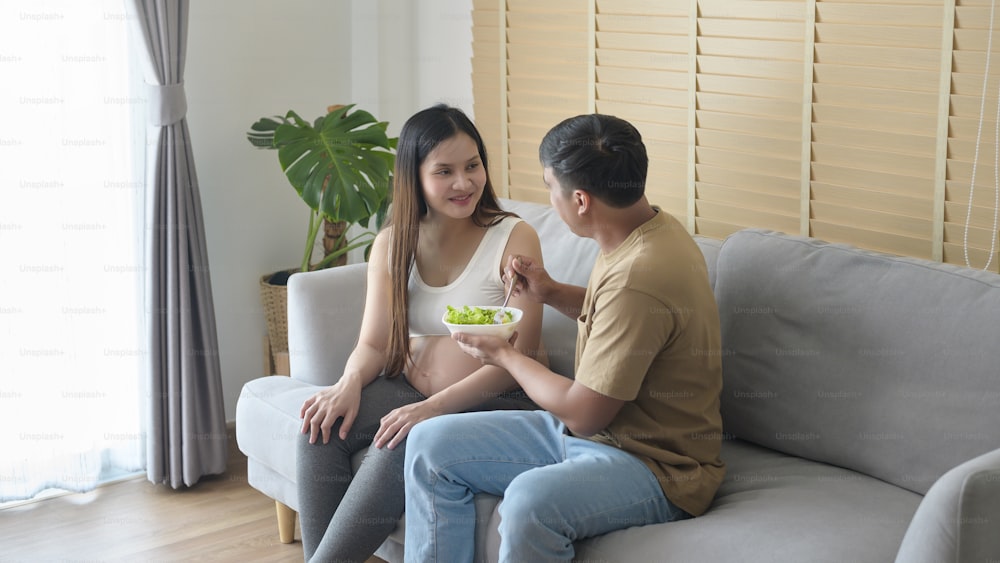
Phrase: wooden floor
(220, 519)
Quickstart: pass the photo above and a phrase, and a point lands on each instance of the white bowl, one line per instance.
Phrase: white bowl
(504, 330)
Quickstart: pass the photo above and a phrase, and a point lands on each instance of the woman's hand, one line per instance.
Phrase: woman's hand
(397, 424)
(320, 412)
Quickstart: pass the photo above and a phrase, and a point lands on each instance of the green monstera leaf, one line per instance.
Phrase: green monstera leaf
(340, 165)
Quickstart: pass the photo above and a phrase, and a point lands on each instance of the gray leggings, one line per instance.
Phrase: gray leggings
(345, 517)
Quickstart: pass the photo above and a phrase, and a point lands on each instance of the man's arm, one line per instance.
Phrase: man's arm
(584, 411)
(536, 284)
(566, 298)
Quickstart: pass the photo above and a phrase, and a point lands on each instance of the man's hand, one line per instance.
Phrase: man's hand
(533, 281)
(487, 349)
(536, 285)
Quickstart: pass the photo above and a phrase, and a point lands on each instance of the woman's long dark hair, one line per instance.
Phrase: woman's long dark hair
(420, 135)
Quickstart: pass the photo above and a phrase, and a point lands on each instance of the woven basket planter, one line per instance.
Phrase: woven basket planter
(274, 299)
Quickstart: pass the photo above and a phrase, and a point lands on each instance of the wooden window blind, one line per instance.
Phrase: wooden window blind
(846, 120)
(875, 102)
(489, 92)
(748, 134)
(547, 81)
(642, 74)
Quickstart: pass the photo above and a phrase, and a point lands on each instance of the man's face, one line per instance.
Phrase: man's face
(561, 200)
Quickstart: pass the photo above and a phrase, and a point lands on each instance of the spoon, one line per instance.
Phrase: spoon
(498, 317)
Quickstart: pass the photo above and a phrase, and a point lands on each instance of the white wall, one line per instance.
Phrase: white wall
(424, 56)
(246, 60)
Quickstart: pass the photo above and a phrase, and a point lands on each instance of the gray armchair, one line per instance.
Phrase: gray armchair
(324, 316)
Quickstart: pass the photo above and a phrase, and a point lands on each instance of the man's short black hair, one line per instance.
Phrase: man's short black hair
(600, 154)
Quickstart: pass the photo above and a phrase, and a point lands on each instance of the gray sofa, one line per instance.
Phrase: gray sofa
(861, 403)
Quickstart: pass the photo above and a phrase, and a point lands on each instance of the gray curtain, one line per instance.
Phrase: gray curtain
(186, 424)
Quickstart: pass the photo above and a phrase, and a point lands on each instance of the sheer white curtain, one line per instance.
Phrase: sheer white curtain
(72, 348)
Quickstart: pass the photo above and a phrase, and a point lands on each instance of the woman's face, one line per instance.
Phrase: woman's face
(452, 177)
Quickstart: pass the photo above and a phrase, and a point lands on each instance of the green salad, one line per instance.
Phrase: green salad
(474, 316)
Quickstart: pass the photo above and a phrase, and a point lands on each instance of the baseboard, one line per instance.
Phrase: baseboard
(233, 447)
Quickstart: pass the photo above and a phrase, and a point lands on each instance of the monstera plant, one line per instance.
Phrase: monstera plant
(340, 165)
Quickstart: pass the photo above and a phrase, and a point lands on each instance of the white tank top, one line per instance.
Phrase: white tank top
(478, 284)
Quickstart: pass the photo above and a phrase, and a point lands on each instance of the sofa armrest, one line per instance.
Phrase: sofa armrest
(324, 317)
(959, 516)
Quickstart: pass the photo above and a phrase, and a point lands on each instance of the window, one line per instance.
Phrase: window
(71, 330)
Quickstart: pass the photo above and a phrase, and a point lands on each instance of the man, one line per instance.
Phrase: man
(634, 439)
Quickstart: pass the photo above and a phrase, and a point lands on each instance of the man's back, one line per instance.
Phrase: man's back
(649, 335)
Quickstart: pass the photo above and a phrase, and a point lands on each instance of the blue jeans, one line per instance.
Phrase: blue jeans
(556, 488)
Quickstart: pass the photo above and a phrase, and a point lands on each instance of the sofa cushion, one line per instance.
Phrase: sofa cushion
(862, 360)
(774, 507)
(321, 338)
(267, 421)
(710, 248)
(267, 431)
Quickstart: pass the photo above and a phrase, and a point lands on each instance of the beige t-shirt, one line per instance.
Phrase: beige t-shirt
(649, 335)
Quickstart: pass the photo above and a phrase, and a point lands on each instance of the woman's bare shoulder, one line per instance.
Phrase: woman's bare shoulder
(524, 240)
(380, 248)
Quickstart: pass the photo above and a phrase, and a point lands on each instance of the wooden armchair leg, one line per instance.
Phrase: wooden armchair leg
(286, 522)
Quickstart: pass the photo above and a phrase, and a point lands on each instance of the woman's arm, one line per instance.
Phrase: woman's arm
(369, 356)
(343, 399)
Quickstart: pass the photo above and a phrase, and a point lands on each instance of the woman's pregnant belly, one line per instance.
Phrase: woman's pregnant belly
(437, 362)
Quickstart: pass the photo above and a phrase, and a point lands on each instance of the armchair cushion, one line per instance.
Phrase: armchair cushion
(324, 317)
(268, 421)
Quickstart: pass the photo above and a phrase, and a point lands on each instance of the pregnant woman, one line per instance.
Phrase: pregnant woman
(445, 244)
